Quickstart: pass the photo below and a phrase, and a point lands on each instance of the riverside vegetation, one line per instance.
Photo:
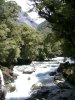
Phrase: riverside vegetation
(60, 14)
(20, 44)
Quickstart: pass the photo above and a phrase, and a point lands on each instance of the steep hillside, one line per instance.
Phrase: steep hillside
(44, 27)
(24, 18)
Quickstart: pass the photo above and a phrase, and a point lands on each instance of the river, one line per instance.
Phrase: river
(31, 77)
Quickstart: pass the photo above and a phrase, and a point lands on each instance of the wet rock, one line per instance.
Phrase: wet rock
(2, 95)
(40, 95)
(64, 85)
(29, 70)
(58, 76)
(29, 78)
(72, 96)
(64, 94)
(62, 66)
(52, 73)
(10, 87)
(37, 86)
(7, 74)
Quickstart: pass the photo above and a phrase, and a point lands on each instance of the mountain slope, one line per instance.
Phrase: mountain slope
(44, 27)
(24, 18)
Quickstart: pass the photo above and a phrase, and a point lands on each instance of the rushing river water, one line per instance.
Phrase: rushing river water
(30, 77)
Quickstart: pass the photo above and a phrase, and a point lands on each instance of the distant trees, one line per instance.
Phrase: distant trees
(52, 44)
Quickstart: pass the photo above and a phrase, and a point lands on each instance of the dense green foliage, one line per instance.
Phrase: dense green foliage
(8, 16)
(18, 42)
(52, 44)
(61, 15)
(68, 71)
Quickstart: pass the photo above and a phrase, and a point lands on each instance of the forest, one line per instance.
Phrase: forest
(19, 43)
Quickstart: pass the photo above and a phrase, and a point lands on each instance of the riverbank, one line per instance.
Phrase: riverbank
(68, 71)
(38, 81)
(62, 89)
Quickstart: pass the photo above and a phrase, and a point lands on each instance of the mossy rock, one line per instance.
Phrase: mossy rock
(68, 71)
(71, 79)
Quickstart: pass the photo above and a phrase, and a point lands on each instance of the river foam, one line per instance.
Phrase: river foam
(39, 76)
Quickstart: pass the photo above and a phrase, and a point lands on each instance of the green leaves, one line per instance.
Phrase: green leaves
(61, 15)
(8, 10)
(3, 31)
(31, 40)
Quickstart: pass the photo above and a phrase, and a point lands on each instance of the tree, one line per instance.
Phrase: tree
(9, 37)
(18, 42)
(10, 10)
(52, 45)
(60, 14)
(31, 42)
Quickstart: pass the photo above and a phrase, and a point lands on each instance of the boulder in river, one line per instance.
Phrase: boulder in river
(52, 73)
(29, 70)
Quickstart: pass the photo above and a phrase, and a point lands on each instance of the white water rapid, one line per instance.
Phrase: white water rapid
(30, 77)
(1, 80)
